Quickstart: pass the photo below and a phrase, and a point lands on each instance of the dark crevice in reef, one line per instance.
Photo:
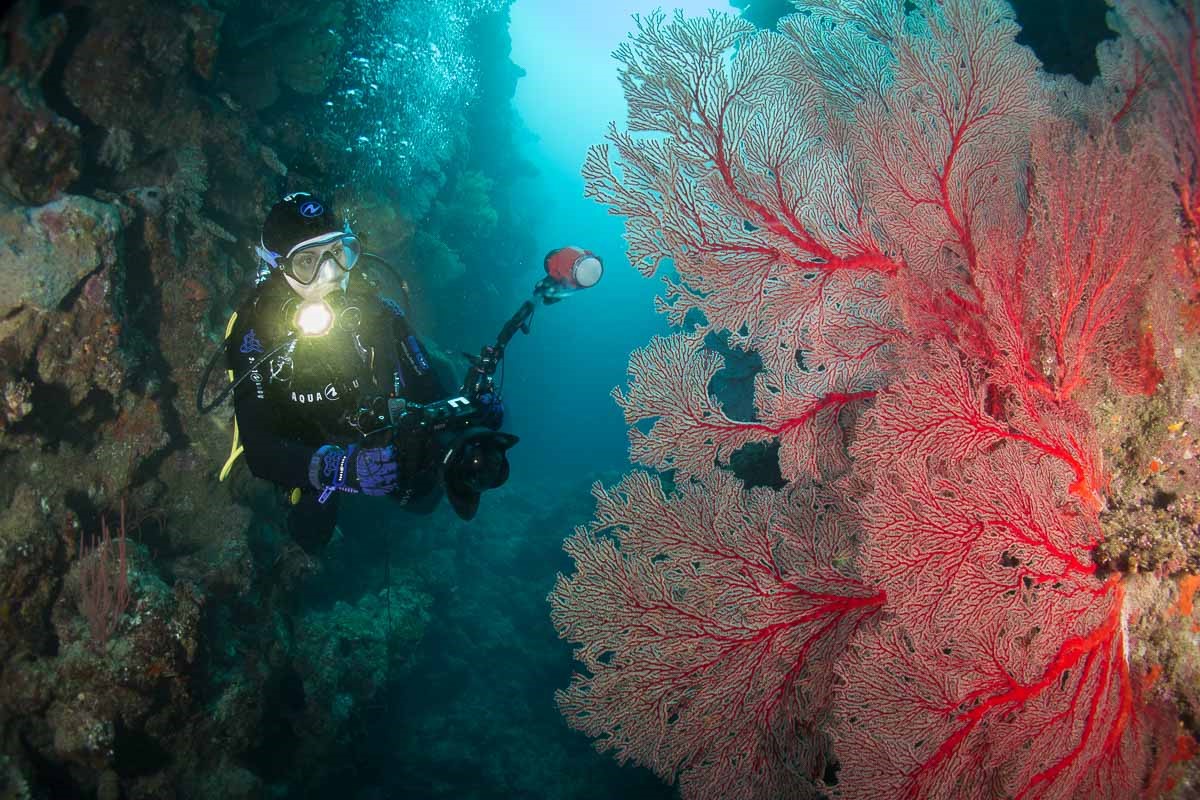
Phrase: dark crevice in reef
(53, 82)
(275, 753)
(136, 753)
(55, 420)
(51, 778)
(45, 642)
(53, 79)
(141, 330)
(139, 305)
(85, 512)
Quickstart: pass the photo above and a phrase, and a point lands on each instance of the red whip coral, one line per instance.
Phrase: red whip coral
(945, 261)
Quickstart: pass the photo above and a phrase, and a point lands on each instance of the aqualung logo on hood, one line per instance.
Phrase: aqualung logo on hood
(311, 209)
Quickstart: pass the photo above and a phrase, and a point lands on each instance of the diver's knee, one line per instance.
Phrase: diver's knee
(311, 523)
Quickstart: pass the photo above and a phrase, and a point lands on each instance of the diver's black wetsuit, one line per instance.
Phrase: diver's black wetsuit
(308, 394)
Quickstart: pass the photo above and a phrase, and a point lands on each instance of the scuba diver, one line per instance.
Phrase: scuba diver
(327, 375)
(334, 392)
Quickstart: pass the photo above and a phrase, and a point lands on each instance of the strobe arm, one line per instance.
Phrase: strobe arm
(462, 411)
(479, 376)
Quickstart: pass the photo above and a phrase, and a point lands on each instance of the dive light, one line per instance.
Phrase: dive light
(314, 318)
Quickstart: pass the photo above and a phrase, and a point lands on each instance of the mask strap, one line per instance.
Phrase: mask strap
(267, 256)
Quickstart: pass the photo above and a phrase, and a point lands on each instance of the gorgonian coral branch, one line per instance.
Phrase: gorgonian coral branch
(708, 622)
(942, 263)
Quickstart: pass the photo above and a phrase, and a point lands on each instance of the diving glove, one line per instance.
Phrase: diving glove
(491, 410)
(372, 471)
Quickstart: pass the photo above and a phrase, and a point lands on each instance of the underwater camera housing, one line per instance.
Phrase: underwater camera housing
(478, 461)
(475, 458)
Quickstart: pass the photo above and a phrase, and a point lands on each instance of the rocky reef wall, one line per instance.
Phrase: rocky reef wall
(140, 146)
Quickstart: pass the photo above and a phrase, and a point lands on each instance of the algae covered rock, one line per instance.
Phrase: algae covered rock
(40, 151)
(31, 556)
(46, 251)
(345, 654)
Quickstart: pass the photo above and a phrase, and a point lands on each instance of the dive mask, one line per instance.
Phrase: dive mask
(303, 262)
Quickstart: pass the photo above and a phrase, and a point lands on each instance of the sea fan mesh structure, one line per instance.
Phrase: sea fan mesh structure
(944, 259)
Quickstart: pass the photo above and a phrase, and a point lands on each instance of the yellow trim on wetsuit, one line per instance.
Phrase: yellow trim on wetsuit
(235, 448)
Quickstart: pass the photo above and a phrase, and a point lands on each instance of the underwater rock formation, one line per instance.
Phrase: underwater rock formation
(49, 249)
(133, 179)
(42, 147)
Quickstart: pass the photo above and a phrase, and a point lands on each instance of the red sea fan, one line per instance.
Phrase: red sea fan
(668, 383)
(1069, 303)
(1003, 669)
(944, 261)
(710, 621)
(1161, 50)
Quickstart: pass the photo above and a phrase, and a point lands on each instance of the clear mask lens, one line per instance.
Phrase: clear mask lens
(304, 265)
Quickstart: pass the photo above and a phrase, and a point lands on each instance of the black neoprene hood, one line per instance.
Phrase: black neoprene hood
(296, 218)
